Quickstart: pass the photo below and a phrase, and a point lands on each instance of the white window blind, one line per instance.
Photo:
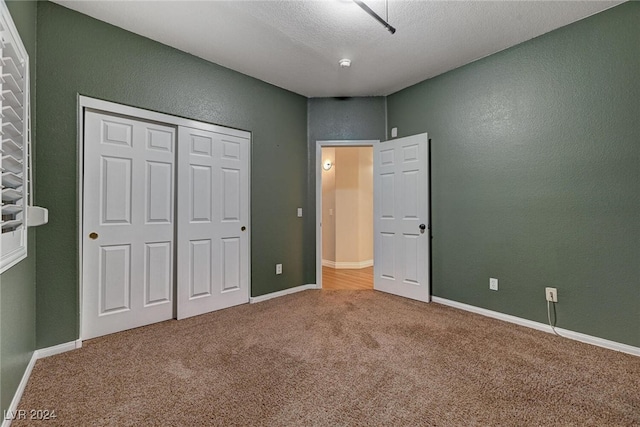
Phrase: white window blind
(15, 146)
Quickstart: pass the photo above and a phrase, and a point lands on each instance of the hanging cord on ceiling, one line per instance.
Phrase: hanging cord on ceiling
(386, 6)
(549, 317)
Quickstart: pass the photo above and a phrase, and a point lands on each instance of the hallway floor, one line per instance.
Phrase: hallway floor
(346, 279)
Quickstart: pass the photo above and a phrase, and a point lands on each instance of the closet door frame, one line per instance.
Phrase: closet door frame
(85, 102)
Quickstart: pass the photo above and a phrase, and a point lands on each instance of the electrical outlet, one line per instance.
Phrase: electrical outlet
(551, 294)
(299, 212)
(278, 268)
(493, 284)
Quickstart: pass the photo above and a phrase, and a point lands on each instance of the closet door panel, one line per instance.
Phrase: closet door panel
(213, 199)
(128, 223)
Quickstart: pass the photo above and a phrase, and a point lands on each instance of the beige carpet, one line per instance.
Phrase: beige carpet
(337, 358)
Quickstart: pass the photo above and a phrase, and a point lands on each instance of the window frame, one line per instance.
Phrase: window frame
(13, 244)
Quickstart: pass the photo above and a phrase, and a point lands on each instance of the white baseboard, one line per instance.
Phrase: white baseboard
(282, 293)
(57, 349)
(566, 333)
(11, 412)
(347, 265)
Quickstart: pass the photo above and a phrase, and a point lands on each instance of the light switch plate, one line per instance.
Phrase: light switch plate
(299, 212)
(394, 132)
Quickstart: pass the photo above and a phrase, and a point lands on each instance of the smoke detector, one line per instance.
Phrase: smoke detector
(345, 63)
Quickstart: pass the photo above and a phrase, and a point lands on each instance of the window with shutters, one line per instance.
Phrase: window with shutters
(15, 146)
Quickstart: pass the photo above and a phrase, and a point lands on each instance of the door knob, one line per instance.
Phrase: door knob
(93, 235)
(243, 228)
(422, 228)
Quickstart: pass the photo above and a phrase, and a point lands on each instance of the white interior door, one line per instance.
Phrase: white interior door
(213, 212)
(401, 214)
(128, 223)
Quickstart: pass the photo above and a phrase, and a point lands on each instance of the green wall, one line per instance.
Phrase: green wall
(78, 54)
(335, 119)
(536, 175)
(17, 285)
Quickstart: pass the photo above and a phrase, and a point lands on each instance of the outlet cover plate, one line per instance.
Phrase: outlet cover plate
(493, 284)
(551, 294)
(278, 268)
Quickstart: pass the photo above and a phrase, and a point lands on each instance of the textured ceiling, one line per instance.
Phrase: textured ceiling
(296, 45)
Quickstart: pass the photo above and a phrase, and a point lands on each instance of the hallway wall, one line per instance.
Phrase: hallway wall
(347, 207)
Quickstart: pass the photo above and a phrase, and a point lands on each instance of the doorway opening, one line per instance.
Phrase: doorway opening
(344, 215)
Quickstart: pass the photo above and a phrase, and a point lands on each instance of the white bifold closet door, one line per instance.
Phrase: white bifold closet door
(213, 212)
(128, 223)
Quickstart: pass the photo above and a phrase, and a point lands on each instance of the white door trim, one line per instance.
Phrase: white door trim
(85, 102)
(319, 145)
